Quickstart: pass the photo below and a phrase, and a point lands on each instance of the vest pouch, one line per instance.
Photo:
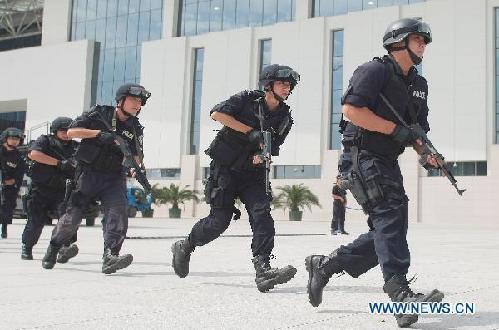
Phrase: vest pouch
(87, 153)
(224, 152)
(108, 161)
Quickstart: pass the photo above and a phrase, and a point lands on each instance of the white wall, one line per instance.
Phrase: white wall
(55, 79)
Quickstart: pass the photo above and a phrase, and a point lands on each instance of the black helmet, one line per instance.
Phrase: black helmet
(132, 90)
(12, 132)
(60, 123)
(275, 72)
(399, 30)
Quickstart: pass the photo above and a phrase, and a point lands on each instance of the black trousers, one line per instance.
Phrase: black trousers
(249, 186)
(41, 201)
(8, 204)
(386, 241)
(110, 189)
(338, 222)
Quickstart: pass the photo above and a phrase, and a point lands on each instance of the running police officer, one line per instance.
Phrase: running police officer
(236, 171)
(52, 163)
(372, 140)
(102, 175)
(12, 165)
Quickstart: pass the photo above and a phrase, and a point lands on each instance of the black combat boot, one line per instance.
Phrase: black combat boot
(111, 261)
(66, 253)
(181, 256)
(320, 269)
(50, 257)
(398, 290)
(4, 230)
(27, 252)
(267, 277)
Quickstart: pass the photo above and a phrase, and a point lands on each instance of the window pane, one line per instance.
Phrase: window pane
(284, 10)
(100, 31)
(121, 32)
(112, 6)
(229, 15)
(203, 22)
(108, 65)
(256, 12)
(134, 6)
(91, 10)
(130, 62)
(90, 30)
(216, 15)
(156, 4)
(145, 5)
(354, 5)
(326, 8)
(156, 18)
(119, 64)
(81, 10)
(137, 66)
(370, 4)
(242, 13)
(80, 31)
(340, 7)
(468, 168)
(107, 90)
(384, 3)
(132, 31)
(190, 19)
(481, 168)
(110, 32)
(122, 7)
(269, 12)
(101, 9)
(144, 23)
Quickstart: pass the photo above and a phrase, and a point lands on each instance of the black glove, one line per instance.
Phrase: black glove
(404, 136)
(106, 137)
(255, 137)
(65, 165)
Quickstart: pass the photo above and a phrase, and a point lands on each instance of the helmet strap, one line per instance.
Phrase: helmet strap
(414, 58)
(270, 88)
(120, 107)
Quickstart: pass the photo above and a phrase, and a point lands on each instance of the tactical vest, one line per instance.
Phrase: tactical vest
(399, 95)
(48, 175)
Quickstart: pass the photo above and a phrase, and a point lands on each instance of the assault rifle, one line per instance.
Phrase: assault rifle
(266, 154)
(427, 148)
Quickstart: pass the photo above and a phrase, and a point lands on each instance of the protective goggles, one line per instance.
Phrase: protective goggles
(139, 92)
(287, 73)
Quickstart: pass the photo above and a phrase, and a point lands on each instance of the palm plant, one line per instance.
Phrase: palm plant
(173, 195)
(295, 198)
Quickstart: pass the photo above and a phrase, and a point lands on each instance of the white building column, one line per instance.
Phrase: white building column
(56, 27)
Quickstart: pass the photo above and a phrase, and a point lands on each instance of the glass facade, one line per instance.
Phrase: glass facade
(202, 16)
(336, 89)
(341, 7)
(163, 173)
(13, 119)
(497, 77)
(265, 56)
(119, 27)
(197, 85)
(478, 168)
(297, 172)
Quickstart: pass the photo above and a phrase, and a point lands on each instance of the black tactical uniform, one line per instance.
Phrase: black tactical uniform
(12, 166)
(102, 176)
(48, 188)
(369, 168)
(232, 174)
(338, 221)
